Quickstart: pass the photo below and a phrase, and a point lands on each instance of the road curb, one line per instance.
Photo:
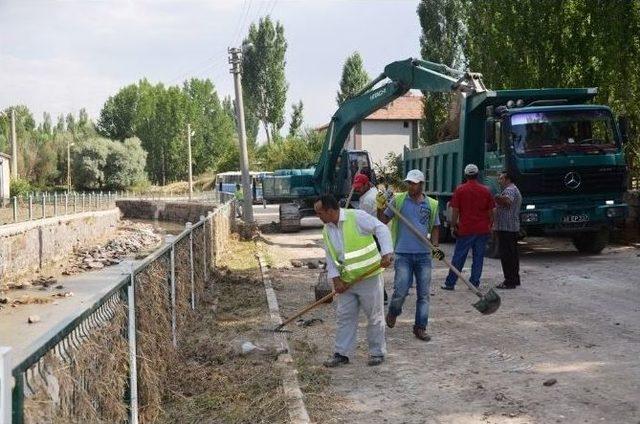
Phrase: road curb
(297, 410)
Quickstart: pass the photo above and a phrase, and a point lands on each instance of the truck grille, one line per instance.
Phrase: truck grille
(573, 180)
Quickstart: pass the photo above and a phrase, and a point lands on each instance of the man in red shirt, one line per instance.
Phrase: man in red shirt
(472, 216)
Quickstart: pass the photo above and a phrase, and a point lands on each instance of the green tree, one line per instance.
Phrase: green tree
(125, 164)
(296, 119)
(265, 85)
(441, 41)
(60, 125)
(119, 113)
(46, 123)
(353, 79)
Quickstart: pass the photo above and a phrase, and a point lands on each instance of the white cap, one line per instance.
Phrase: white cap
(471, 169)
(415, 176)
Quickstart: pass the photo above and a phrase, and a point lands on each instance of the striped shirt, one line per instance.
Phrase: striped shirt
(508, 217)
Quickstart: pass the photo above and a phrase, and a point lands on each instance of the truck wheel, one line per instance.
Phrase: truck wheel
(591, 243)
(289, 218)
(492, 250)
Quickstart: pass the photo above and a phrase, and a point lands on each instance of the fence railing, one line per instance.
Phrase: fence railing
(107, 363)
(34, 206)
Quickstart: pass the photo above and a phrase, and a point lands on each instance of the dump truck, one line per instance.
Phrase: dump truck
(564, 152)
(572, 176)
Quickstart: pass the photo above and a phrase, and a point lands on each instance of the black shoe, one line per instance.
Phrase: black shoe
(336, 360)
(445, 287)
(421, 333)
(390, 320)
(505, 286)
(375, 360)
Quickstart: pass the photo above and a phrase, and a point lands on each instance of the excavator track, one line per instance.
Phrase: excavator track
(290, 218)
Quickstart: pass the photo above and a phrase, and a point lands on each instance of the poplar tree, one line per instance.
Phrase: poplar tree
(353, 79)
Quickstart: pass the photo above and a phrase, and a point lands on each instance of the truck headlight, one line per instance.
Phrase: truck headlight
(529, 217)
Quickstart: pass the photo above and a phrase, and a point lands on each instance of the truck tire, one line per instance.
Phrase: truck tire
(289, 218)
(492, 251)
(591, 243)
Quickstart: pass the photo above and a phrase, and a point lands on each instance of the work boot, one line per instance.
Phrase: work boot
(375, 360)
(391, 320)
(421, 333)
(336, 360)
(449, 288)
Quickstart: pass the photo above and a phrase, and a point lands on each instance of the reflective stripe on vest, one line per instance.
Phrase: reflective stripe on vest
(399, 202)
(360, 252)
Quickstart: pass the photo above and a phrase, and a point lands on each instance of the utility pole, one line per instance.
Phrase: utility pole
(68, 166)
(190, 166)
(235, 59)
(14, 146)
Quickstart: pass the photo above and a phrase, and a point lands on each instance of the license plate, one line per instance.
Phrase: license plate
(576, 218)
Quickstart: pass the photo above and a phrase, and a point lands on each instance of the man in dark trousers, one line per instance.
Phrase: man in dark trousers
(507, 227)
(471, 218)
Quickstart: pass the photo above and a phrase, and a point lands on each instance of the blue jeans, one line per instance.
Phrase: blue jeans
(478, 244)
(408, 265)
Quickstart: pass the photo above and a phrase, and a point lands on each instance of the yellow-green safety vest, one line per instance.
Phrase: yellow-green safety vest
(360, 252)
(398, 202)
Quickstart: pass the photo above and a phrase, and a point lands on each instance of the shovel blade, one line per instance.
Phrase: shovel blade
(489, 303)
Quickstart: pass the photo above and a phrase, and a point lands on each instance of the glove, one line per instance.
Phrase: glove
(381, 200)
(437, 253)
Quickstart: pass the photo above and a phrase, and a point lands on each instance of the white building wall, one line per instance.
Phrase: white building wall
(5, 177)
(381, 137)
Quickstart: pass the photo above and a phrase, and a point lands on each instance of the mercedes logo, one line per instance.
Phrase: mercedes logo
(572, 180)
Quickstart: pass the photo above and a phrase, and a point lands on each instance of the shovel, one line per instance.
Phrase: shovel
(488, 303)
(319, 302)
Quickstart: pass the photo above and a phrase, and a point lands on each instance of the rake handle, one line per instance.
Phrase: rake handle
(321, 301)
(426, 241)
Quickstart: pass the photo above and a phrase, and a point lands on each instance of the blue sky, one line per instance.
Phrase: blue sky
(59, 56)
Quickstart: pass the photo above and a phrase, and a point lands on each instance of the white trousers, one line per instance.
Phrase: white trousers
(367, 296)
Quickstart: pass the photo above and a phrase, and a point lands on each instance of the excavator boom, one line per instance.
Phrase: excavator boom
(398, 77)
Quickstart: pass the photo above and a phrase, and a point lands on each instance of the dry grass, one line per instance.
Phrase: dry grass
(214, 382)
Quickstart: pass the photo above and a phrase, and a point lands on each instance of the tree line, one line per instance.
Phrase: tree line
(535, 44)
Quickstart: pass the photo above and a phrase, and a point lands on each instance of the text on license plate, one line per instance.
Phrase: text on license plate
(576, 218)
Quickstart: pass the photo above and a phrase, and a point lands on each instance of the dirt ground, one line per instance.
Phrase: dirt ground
(575, 319)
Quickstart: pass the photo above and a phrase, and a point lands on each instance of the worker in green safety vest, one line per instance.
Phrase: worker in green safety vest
(351, 255)
(412, 256)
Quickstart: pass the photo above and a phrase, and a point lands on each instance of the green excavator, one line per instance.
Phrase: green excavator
(295, 190)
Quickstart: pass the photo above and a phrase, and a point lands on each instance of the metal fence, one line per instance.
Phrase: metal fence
(46, 205)
(108, 363)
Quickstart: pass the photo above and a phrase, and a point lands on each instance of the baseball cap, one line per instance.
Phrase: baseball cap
(471, 169)
(359, 181)
(415, 176)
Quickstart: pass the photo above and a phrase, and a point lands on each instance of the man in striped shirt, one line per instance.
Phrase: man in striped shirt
(507, 228)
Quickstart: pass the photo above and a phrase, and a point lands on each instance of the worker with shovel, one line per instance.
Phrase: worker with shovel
(413, 258)
(351, 255)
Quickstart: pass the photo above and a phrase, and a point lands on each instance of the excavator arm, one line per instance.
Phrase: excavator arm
(398, 77)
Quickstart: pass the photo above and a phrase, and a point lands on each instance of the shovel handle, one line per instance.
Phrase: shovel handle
(426, 241)
(321, 301)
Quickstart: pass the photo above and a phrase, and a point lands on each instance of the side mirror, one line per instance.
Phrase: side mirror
(623, 124)
(489, 135)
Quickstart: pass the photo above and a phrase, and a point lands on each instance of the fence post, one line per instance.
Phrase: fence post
(30, 207)
(15, 208)
(44, 205)
(66, 203)
(75, 202)
(173, 293)
(5, 384)
(83, 195)
(133, 363)
(193, 288)
(204, 252)
(55, 204)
